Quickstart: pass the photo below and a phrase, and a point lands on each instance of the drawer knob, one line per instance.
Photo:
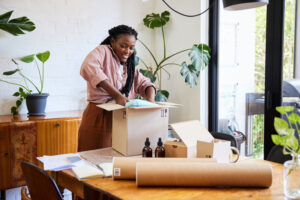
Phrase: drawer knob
(57, 124)
(6, 154)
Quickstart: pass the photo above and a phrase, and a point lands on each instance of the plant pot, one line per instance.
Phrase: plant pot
(291, 178)
(36, 103)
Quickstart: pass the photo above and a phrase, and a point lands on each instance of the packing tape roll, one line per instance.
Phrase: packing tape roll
(208, 174)
(125, 168)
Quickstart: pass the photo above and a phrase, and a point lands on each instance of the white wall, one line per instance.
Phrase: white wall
(69, 29)
(181, 33)
(72, 28)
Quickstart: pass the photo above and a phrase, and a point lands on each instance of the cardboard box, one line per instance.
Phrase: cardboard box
(196, 142)
(175, 149)
(189, 133)
(131, 126)
(217, 149)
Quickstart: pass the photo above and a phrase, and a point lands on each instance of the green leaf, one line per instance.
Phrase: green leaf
(292, 142)
(16, 94)
(276, 139)
(200, 56)
(13, 110)
(8, 73)
(284, 109)
(155, 20)
(148, 74)
(162, 96)
(189, 73)
(27, 59)
(18, 103)
(43, 57)
(15, 26)
(293, 118)
(282, 127)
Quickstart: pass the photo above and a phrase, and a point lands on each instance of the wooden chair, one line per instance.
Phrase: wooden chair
(39, 183)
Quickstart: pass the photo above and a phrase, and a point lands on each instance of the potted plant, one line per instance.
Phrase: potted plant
(198, 53)
(36, 102)
(288, 137)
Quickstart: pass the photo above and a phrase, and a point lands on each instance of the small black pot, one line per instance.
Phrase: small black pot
(36, 103)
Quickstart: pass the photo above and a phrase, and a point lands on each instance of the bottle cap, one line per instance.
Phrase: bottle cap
(147, 142)
(159, 143)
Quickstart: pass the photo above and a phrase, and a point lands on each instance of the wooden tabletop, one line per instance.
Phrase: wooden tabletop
(125, 189)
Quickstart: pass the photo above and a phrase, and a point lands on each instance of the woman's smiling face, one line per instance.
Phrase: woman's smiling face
(123, 46)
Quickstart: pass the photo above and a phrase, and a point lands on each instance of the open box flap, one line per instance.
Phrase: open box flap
(114, 106)
(192, 131)
(110, 106)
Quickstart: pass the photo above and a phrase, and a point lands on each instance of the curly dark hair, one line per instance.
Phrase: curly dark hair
(115, 33)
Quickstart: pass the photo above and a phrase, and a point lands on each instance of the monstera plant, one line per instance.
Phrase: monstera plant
(199, 57)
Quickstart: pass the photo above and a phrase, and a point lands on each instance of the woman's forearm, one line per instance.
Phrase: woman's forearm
(113, 92)
(150, 94)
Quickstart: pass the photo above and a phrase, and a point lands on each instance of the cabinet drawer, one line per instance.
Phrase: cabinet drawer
(5, 172)
(57, 136)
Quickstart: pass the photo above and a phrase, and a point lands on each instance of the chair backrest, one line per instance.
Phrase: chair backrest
(39, 183)
(224, 136)
(276, 155)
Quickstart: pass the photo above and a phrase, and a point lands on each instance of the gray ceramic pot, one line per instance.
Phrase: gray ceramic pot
(36, 103)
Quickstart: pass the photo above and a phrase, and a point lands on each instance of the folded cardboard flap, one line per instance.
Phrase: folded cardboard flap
(190, 132)
(114, 106)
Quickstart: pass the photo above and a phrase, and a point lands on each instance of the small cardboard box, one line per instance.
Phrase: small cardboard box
(189, 132)
(175, 149)
(131, 126)
(217, 149)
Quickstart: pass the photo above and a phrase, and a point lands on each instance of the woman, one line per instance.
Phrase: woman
(111, 76)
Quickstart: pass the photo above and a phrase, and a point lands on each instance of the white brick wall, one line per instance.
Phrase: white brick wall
(69, 29)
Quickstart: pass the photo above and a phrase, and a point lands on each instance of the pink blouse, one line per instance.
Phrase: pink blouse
(102, 64)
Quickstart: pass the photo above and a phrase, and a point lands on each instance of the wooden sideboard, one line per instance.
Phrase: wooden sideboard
(24, 138)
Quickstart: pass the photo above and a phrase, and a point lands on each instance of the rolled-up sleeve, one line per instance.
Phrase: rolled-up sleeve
(142, 83)
(92, 69)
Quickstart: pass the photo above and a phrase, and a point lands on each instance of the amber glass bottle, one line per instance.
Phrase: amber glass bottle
(160, 150)
(147, 151)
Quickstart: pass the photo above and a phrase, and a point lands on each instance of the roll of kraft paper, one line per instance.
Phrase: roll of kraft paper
(208, 174)
(125, 168)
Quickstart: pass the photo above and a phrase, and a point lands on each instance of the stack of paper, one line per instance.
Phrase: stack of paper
(90, 171)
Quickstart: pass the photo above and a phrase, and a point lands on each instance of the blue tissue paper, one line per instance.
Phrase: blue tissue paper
(140, 103)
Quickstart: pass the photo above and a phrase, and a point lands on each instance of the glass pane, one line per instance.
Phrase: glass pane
(242, 76)
(291, 85)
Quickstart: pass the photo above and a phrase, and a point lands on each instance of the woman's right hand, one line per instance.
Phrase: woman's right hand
(121, 100)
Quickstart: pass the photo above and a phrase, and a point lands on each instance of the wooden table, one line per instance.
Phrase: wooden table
(124, 189)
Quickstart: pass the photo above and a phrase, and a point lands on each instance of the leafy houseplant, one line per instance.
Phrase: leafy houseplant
(288, 137)
(24, 91)
(198, 53)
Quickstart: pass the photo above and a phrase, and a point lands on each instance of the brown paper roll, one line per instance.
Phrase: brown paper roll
(199, 174)
(125, 168)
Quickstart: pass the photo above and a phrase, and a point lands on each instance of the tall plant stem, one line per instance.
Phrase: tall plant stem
(144, 63)
(161, 62)
(37, 66)
(42, 81)
(22, 75)
(163, 34)
(30, 82)
(16, 84)
(149, 52)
